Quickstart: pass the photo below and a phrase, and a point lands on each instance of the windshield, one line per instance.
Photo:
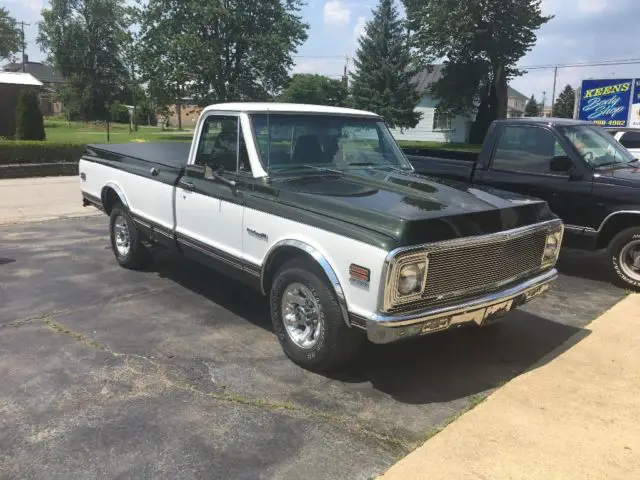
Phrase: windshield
(597, 147)
(293, 141)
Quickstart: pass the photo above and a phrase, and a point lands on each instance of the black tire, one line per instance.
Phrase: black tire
(138, 255)
(621, 266)
(336, 343)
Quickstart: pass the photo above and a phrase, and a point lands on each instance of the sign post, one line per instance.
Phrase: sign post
(634, 116)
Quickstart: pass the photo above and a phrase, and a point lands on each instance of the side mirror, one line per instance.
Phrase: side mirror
(561, 164)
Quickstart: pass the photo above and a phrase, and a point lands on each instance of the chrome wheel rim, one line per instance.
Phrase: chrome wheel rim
(301, 315)
(630, 259)
(121, 236)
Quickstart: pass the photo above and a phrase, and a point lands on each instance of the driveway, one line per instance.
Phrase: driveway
(175, 372)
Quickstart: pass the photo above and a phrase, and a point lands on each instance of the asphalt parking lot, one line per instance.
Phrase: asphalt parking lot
(175, 373)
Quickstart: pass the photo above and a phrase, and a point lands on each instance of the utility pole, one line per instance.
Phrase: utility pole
(24, 44)
(553, 95)
(345, 75)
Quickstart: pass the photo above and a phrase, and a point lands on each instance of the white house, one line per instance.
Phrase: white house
(434, 127)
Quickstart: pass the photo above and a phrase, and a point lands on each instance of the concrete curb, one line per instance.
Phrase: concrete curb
(573, 415)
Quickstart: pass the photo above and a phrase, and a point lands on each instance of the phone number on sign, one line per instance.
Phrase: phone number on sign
(610, 123)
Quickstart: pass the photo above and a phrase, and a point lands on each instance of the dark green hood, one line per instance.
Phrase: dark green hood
(408, 208)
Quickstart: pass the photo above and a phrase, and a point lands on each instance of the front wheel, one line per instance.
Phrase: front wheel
(308, 320)
(624, 251)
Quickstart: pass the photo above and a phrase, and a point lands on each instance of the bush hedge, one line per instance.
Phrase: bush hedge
(29, 122)
(22, 152)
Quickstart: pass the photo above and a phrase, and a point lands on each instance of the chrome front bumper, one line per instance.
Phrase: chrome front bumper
(479, 310)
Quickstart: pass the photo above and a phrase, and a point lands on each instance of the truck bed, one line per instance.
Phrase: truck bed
(449, 168)
(168, 154)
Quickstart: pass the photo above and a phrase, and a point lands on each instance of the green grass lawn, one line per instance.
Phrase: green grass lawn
(61, 131)
(79, 132)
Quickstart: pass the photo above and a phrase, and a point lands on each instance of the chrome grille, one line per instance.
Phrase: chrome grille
(463, 270)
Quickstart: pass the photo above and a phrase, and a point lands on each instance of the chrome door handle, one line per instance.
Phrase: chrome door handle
(187, 185)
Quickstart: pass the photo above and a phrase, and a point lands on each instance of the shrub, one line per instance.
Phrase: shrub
(120, 113)
(15, 152)
(29, 121)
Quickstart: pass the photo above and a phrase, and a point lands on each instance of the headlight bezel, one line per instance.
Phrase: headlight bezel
(552, 246)
(393, 297)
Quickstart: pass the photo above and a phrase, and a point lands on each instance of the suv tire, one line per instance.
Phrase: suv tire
(624, 251)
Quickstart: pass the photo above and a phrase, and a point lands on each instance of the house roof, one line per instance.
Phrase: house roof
(424, 78)
(41, 71)
(512, 92)
(19, 78)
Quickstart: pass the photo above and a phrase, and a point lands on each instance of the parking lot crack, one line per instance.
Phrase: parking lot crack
(400, 446)
(78, 337)
(71, 311)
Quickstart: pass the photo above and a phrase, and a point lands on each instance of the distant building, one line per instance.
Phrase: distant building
(11, 84)
(436, 127)
(433, 126)
(516, 103)
(51, 82)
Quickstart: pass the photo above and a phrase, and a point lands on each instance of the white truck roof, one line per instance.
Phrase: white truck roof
(264, 107)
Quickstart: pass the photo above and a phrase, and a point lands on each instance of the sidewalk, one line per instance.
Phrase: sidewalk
(36, 199)
(576, 417)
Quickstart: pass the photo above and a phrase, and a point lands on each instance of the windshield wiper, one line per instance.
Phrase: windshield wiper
(362, 164)
(610, 164)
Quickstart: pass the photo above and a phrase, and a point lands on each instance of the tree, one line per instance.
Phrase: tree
(565, 103)
(482, 41)
(315, 90)
(85, 41)
(29, 121)
(218, 51)
(10, 35)
(383, 78)
(532, 108)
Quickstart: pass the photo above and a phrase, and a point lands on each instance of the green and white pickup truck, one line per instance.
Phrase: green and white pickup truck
(319, 209)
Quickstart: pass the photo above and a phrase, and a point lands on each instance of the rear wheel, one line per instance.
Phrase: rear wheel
(126, 243)
(308, 320)
(624, 251)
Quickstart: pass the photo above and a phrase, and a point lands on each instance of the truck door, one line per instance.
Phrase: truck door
(521, 163)
(209, 199)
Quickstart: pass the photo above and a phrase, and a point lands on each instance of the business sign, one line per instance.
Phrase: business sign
(634, 116)
(606, 102)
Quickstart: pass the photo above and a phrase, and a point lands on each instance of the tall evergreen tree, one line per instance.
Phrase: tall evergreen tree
(383, 79)
(565, 103)
(532, 108)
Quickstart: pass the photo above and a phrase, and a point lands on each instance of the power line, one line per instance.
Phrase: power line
(629, 61)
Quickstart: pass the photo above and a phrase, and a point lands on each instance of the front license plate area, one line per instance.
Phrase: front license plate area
(497, 311)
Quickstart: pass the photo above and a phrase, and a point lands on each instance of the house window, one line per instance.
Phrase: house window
(441, 121)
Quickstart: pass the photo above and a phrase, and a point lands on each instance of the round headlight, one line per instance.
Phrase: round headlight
(409, 279)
